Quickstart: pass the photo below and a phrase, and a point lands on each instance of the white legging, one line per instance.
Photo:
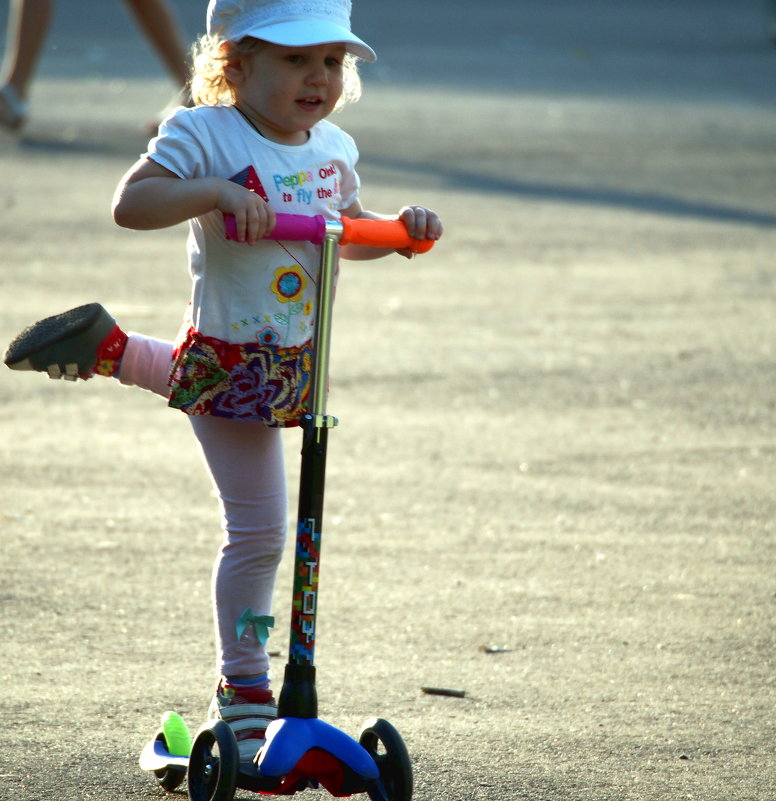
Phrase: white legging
(245, 460)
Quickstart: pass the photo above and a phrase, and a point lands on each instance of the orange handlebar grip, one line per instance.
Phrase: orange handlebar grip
(381, 234)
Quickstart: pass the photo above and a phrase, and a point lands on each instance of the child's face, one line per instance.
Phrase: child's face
(286, 90)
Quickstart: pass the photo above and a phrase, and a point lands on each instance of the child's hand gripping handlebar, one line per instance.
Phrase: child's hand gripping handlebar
(382, 234)
(375, 233)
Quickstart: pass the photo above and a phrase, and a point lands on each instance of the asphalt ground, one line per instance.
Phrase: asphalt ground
(552, 485)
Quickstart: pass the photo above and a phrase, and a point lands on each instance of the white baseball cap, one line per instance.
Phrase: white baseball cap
(293, 23)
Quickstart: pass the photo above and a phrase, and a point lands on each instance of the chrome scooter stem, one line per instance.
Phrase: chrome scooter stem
(322, 341)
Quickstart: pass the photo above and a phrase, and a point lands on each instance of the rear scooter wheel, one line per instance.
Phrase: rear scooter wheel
(169, 778)
(214, 763)
(387, 748)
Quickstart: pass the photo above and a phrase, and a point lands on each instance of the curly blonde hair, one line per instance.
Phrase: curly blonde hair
(209, 84)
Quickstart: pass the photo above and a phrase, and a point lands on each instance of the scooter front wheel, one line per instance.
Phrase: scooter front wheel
(387, 748)
(214, 763)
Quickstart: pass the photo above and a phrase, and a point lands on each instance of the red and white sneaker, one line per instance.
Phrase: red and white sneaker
(248, 711)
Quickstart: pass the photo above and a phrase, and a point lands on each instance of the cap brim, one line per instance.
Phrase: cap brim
(307, 34)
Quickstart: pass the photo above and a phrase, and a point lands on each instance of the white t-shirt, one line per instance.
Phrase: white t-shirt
(263, 293)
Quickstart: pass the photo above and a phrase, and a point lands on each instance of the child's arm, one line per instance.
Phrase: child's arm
(150, 196)
(422, 223)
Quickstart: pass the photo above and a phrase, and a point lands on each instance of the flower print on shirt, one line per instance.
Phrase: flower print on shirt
(267, 336)
(289, 283)
(288, 286)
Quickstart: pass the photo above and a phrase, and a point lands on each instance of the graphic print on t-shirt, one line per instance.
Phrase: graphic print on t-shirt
(299, 187)
(250, 180)
(319, 189)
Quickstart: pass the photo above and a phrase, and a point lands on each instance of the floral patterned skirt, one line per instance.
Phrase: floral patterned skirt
(241, 382)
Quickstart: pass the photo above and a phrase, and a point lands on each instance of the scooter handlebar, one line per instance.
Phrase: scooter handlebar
(288, 227)
(373, 233)
(382, 234)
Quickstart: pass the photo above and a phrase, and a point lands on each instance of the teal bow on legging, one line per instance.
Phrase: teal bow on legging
(261, 625)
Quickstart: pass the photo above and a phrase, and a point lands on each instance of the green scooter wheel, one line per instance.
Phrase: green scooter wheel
(169, 778)
(176, 738)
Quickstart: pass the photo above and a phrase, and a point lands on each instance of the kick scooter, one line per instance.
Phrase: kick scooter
(300, 750)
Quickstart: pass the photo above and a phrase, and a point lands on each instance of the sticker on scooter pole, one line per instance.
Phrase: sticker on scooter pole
(305, 591)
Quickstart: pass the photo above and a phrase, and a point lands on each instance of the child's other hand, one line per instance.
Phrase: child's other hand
(422, 223)
(253, 218)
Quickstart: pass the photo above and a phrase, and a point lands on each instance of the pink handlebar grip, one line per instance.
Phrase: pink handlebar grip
(299, 228)
(288, 227)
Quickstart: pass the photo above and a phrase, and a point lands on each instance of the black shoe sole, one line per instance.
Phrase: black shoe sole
(54, 334)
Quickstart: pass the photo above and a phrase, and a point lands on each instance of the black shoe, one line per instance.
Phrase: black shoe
(65, 345)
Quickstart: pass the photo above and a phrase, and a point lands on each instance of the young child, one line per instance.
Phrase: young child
(266, 76)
